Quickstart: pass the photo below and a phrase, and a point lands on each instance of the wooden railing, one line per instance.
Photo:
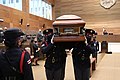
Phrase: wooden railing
(108, 38)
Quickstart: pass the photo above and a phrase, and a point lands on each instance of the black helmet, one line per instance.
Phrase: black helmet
(48, 33)
(11, 35)
(89, 34)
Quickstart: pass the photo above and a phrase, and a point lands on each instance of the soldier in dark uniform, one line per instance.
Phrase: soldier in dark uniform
(81, 56)
(90, 36)
(81, 60)
(55, 57)
(95, 46)
(15, 63)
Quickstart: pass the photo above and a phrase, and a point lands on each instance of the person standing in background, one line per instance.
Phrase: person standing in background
(31, 47)
(36, 51)
(95, 46)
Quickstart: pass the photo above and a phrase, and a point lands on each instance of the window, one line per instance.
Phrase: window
(43, 10)
(36, 9)
(40, 8)
(31, 10)
(16, 4)
(4, 1)
(17, 1)
(11, 1)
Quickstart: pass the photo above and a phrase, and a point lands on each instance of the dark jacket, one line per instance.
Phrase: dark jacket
(35, 48)
(94, 45)
(55, 55)
(81, 56)
(14, 56)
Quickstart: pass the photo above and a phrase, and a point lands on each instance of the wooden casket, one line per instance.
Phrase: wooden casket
(69, 28)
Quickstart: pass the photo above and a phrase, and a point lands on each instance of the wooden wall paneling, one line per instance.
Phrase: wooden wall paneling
(12, 18)
(108, 38)
(92, 12)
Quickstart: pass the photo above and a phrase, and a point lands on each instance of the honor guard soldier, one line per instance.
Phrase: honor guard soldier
(95, 46)
(90, 36)
(81, 60)
(89, 33)
(55, 57)
(15, 63)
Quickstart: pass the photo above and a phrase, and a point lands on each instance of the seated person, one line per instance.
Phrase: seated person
(105, 32)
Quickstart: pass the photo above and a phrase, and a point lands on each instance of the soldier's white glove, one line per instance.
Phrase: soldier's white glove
(52, 39)
(86, 41)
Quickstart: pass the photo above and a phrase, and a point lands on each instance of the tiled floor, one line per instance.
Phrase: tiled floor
(39, 71)
(108, 68)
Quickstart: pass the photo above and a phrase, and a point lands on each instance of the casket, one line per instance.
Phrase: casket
(69, 28)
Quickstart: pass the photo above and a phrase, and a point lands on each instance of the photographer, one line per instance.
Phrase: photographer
(55, 57)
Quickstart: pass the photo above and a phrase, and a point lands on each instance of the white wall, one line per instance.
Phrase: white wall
(114, 47)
